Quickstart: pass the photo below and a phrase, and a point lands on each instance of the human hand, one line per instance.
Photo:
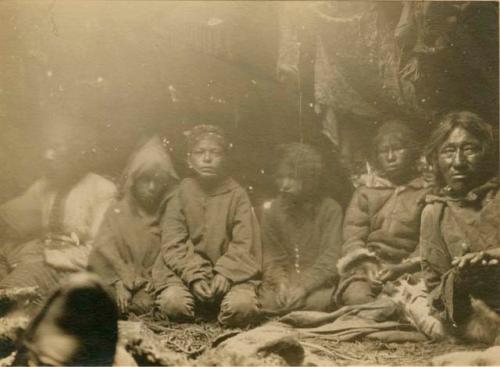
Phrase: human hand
(142, 302)
(282, 294)
(391, 272)
(475, 258)
(220, 285)
(386, 274)
(296, 298)
(369, 267)
(201, 289)
(123, 296)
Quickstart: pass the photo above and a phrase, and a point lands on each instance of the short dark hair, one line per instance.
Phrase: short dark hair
(201, 131)
(396, 126)
(304, 162)
(474, 125)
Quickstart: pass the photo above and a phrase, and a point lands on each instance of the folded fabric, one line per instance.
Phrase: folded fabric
(381, 308)
(380, 320)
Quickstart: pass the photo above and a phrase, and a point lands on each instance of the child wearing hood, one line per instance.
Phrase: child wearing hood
(210, 239)
(128, 242)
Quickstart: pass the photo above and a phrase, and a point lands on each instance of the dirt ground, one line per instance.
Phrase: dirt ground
(193, 339)
(390, 354)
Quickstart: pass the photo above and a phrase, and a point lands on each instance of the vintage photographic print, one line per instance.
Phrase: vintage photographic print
(249, 183)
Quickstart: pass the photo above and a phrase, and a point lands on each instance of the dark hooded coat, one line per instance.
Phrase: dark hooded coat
(128, 242)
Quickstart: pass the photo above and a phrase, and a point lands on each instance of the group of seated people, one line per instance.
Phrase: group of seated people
(194, 248)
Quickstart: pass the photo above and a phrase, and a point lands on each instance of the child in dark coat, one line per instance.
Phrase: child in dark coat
(210, 239)
(128, 242)
(302, 236)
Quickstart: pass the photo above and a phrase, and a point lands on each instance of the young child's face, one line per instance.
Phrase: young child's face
(207, 158)
(150, 187)
(289, 187)
(393, 157)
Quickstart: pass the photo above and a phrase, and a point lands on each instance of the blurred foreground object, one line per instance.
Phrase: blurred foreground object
(77, 326)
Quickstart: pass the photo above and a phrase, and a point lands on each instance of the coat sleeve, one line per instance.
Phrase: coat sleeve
(107, 194)
(177, 248)
(415, 257)
(357, 223)
(243, 259)
(436, 260)
(23, 214)
(324, 269)
(105, 259)
(275, 258)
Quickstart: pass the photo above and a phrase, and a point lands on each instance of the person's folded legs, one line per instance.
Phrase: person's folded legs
(142, 302)
(240, 306)
(176, 302)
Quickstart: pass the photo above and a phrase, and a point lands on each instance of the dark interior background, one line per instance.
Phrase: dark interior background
(114, 72)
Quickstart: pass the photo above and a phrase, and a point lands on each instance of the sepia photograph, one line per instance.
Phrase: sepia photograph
(249, 183)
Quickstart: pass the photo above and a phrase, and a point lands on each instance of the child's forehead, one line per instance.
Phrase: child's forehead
(152, 172)
(287, 169)
(391, 138)
(209, 140)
